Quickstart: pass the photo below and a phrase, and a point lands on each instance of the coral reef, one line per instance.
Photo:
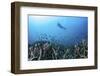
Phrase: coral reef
(46, 50)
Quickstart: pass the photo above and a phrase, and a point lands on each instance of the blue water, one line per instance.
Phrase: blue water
(66, 30)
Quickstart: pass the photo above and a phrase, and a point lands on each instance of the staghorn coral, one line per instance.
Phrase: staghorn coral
(46, 50)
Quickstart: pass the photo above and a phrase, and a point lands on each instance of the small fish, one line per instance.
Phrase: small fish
(60, 26)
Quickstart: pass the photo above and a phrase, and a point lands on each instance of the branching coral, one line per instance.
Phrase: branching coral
(46, 50)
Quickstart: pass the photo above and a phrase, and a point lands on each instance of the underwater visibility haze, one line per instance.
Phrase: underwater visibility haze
(57, 37)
